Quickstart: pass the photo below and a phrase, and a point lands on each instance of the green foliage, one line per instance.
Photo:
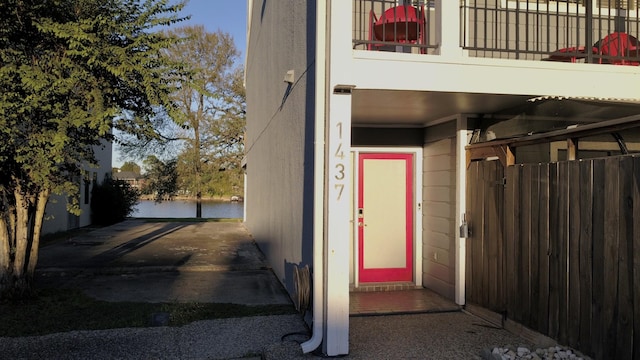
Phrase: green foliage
(70, 72)
(131, 166)
(212, 100)
(112, 201)
(160, 178)
(207, 130)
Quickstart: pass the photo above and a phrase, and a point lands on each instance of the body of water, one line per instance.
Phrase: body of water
(187, 209)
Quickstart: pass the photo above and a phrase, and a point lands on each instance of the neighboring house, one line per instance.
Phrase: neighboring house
(359, 114)
(57, 218)
(134, 180)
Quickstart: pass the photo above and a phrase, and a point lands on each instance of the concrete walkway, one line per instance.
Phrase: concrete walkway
(218, 262)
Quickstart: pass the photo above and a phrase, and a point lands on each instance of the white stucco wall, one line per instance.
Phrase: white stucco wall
(279, 137)
(56, 216)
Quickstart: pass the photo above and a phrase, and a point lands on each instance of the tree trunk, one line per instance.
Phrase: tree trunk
(196, 135)
(5, 249)
(22, 232)
(20, 283)
(41, 205)
(7, 237)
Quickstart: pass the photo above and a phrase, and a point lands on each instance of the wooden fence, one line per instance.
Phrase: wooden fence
(556, 247)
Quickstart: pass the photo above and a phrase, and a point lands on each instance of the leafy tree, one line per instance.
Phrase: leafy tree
(131, 166)
(160, 178)
(70, 71)
(211, 100)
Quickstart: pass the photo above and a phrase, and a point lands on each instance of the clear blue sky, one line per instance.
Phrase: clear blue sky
(229, 16)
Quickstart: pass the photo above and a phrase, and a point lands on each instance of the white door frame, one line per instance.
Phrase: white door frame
(417, 205)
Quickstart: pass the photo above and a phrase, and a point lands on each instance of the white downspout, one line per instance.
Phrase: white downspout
(318, 183)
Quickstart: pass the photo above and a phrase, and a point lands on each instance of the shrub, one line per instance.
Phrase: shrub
(112, 201)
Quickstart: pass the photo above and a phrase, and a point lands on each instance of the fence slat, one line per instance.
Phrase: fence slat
(598, 334)
(586, 253)
(544, 249)
(563, 251)
(525, 243)
(509, 243)
(611, 213)
(515, 240)
(624, 330)
(472, 216)
(554, 246)
(534, 205)
(478, 236)
(574, 301)
(494, 235)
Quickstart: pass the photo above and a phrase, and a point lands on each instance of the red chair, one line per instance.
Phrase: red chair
(619, 48)
(400, 24)
(570, 54)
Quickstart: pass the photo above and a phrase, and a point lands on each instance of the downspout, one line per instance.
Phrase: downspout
(318, 183)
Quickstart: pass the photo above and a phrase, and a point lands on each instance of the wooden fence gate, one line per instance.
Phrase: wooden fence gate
(556, 247)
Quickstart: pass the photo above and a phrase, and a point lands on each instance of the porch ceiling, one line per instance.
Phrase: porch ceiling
(396, 108)
(423, 108)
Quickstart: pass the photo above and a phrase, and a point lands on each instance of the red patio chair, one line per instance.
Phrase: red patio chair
(570, 54)
(619, 48)
(399, 24)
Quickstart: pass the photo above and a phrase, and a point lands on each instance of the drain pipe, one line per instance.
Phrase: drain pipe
(318, 183)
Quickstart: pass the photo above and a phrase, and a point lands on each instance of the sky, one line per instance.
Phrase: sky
(230, 16)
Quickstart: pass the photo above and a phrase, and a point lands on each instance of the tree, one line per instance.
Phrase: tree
(160, 178)
(70, 71)
(211, 117)
(212, 102)
(131, 166)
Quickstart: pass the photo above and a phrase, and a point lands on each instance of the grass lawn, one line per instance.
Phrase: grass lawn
(59, 310)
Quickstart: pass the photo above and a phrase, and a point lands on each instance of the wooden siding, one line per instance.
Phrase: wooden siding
(555, 248)
(438, 216)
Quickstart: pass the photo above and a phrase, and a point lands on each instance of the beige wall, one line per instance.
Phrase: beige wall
(279, 137)
(438, 208)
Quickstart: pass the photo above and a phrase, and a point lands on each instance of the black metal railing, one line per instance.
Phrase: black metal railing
(398, 26)
(594, 31)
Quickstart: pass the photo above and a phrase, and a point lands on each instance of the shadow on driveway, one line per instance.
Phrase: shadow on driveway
(146, 261)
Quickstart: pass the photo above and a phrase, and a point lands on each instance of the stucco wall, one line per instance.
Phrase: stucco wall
(439, 204)
(279, 137)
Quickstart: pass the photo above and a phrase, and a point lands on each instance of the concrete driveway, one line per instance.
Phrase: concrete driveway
(145, 261)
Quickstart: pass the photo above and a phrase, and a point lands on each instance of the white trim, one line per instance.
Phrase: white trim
(461, 185)
(354, 196)
(417, 204)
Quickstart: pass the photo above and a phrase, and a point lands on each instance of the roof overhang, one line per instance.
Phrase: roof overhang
(397, 108)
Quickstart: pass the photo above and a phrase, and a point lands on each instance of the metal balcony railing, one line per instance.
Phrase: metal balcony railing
(594, 31)
(398, 26)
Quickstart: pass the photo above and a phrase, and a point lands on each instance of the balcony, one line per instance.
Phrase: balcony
(576, 31)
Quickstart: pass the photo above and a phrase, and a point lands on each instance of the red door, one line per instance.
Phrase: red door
(385, 217)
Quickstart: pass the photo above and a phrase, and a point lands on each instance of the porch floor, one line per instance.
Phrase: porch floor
(411, 301)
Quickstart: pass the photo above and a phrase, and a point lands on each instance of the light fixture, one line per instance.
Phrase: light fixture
(289, 76)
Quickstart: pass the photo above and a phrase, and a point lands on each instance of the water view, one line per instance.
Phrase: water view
(187, 209)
